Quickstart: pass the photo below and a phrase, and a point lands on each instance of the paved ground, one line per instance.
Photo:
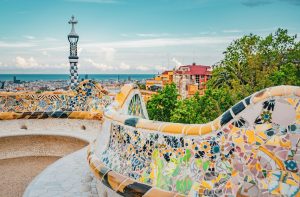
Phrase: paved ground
(21, 162)
(14, 179)
(69, 176)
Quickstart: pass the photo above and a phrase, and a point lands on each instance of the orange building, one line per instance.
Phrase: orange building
(160, 81)
(189, 79)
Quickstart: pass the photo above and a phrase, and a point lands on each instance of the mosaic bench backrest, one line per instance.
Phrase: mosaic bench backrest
(86, 102)
(252, 149)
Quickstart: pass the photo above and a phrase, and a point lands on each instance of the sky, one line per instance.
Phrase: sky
(132, 36)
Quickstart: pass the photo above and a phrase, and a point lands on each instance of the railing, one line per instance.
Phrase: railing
(252, 149)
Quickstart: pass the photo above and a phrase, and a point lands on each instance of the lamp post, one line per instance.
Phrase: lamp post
(73, 58)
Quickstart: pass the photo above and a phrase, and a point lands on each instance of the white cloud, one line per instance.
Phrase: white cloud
(204, 33)
(178, 63)
(152, 35)
(3, 65)
(109, 53)
(124, 66)
(65, 65)
(232, 31)
(80, 49)
(16, 44)
(29, 37)
(160, 68)
(50, 39)
(143, 68)
(25, 63)
(161, 42)
(98, 65)
(45, 53)
(140, 55)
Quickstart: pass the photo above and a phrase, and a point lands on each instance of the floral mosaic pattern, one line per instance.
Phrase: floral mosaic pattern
(249, 156)
(86, 98)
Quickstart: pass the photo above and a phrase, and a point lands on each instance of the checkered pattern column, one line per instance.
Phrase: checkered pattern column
(73, 58)
(73, 75)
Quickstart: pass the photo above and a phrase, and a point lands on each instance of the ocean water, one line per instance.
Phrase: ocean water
(52, 77)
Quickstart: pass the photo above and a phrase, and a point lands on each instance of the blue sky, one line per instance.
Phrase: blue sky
(132, 36)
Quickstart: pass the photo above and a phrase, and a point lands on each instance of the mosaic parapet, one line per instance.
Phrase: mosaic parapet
(194, 129)
(87, 101)
(250, 150)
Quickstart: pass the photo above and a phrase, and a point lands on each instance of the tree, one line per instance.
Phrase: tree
(161, 105)
(288, 74)
(142, 86)
(186, 111)
(202, 109)
(250, 64)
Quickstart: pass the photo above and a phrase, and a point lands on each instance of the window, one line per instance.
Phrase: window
(197, 79)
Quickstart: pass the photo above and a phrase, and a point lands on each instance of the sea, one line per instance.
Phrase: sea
(55, 77)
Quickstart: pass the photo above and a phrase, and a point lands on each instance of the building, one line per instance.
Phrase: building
(190, 79)
(160, 81)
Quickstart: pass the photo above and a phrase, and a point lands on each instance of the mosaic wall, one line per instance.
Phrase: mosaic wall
(254, 151)
(87, 97)
(135, 106)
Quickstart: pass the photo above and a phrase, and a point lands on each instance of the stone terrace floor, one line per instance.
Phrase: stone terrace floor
(69, 176)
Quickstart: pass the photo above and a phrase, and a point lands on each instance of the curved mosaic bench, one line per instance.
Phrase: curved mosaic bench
(86, 102)
(253, 149)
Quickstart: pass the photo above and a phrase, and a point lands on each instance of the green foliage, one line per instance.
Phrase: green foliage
(141, 86)
(250, 64)
(161, 105)
(287, 74)
(201, 109)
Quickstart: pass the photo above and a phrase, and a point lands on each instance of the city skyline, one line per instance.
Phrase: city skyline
(132, 36)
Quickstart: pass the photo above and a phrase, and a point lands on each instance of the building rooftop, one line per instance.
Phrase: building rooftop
(194, 70)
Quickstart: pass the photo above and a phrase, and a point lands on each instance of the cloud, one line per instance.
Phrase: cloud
(3, 65)
(79, 51)
(255, 3)
(130, 55)
(98, 65)
(16, 44)
(232, 31)
(96, 1)
(46, 53)
(66, 65)
(25, 63)
(161, 42)
(152, 35)
(160, 68)
(142, 68)
(124, 66)
(178, 63)
(29, 37)
(109, 53)
(50, 39)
